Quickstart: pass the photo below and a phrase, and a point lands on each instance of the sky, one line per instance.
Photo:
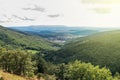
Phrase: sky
(88, 13)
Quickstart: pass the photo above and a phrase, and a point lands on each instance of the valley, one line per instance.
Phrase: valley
(59, 53)
(57, 33)
(59, 40)
(100, 49)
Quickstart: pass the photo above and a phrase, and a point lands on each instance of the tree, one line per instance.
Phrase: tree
(60, 71)
(40, 63)
(86, 71)
(17, 62)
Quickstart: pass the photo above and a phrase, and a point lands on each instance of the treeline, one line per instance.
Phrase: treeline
(27, 64)
(13, 39)
(23, 63)
(16, 62)
(101, 49)
(84, 71)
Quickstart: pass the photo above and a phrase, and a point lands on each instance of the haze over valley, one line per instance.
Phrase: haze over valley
(59, 33)
(59, 40)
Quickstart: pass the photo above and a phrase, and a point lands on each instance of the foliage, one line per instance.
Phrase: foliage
(17, 62)
(12, 39)
(117, 75)
(39, 75)
(60, 71)
(1, 78)
(101, 49)
(40, 63)
(83, 71)
(49, 77)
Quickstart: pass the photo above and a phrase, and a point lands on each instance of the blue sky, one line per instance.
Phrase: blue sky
(95, 13)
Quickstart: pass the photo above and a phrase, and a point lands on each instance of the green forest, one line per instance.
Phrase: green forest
(94, 57)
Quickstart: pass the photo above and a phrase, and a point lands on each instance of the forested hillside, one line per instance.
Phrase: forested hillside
(13, 39)
(26, 56)
(100, 49)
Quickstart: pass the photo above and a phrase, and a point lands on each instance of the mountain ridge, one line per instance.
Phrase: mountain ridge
(13, 38)
(99, 49)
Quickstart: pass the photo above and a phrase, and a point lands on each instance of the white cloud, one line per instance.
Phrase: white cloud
(103, 13)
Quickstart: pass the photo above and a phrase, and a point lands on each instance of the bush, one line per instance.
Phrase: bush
(49, 77)
(83, 71)
(86, 71)
(31, 75)
(1, 78)
(39, 75)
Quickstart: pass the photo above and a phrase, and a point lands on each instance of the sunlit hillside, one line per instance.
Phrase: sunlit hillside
(102, 49)
(13, 39)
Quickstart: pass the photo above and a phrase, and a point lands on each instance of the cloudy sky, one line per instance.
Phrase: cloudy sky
(94, 13)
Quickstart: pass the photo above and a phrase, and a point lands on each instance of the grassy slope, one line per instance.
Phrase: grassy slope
(16, 39)
(8, 76)
(102, 49)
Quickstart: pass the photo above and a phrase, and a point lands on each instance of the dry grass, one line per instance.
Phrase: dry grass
(8, 76)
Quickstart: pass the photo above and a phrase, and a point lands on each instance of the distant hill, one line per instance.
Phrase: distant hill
(58, 33)
(100, 49)
(16, 39)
